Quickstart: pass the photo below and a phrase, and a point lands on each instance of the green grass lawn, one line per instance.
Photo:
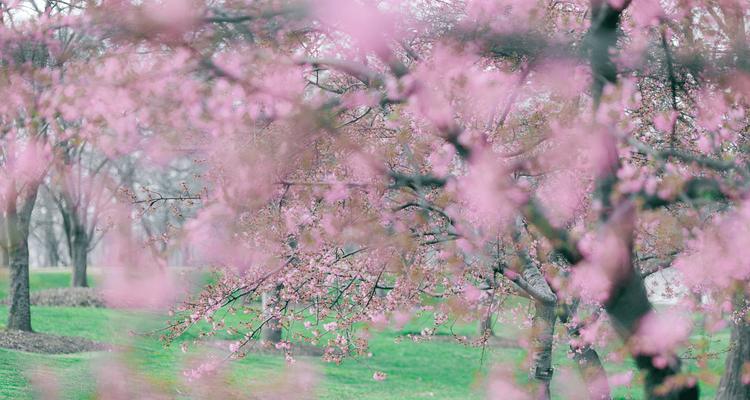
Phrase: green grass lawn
(48, 279)
(434, 370)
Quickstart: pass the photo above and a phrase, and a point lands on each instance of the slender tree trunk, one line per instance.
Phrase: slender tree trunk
(737, 364)
(53, 255)
(53, 258)
(485, 326)
(543, 327)
(79, 254)
(19, 316)
(589, 364)
(77, 238)
(271, 331)
(543, 330)
(4, 257)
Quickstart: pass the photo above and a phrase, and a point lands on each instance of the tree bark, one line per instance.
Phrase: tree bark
(543, 330)
(543, 326)
(53, 258)
(18, 219)
(78, 241)
(271, 331)
(51, 244)
(732, 385)
(4, 256)
(79, 249)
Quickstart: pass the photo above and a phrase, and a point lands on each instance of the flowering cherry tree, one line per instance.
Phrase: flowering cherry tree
(359, 157)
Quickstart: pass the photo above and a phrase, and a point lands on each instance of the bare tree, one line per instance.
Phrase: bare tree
(46, 231)
(82, 194)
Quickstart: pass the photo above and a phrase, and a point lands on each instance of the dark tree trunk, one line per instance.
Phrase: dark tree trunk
(79, 249)
(78, 240)
(53, 258)
(628, 304)
(271, 331)
(627, 307)
(4, 257)
(738, 360)
(18, 218)
(51, 244)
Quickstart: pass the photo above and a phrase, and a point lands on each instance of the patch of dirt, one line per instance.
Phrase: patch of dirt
(261, 347)
(47, 344)
(66, 297)
(504, 342)
(495, 341)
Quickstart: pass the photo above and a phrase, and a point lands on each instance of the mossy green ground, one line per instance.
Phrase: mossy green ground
(435, 370)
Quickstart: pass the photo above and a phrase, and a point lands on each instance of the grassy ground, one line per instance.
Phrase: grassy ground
(50, 278)
(435, 370)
